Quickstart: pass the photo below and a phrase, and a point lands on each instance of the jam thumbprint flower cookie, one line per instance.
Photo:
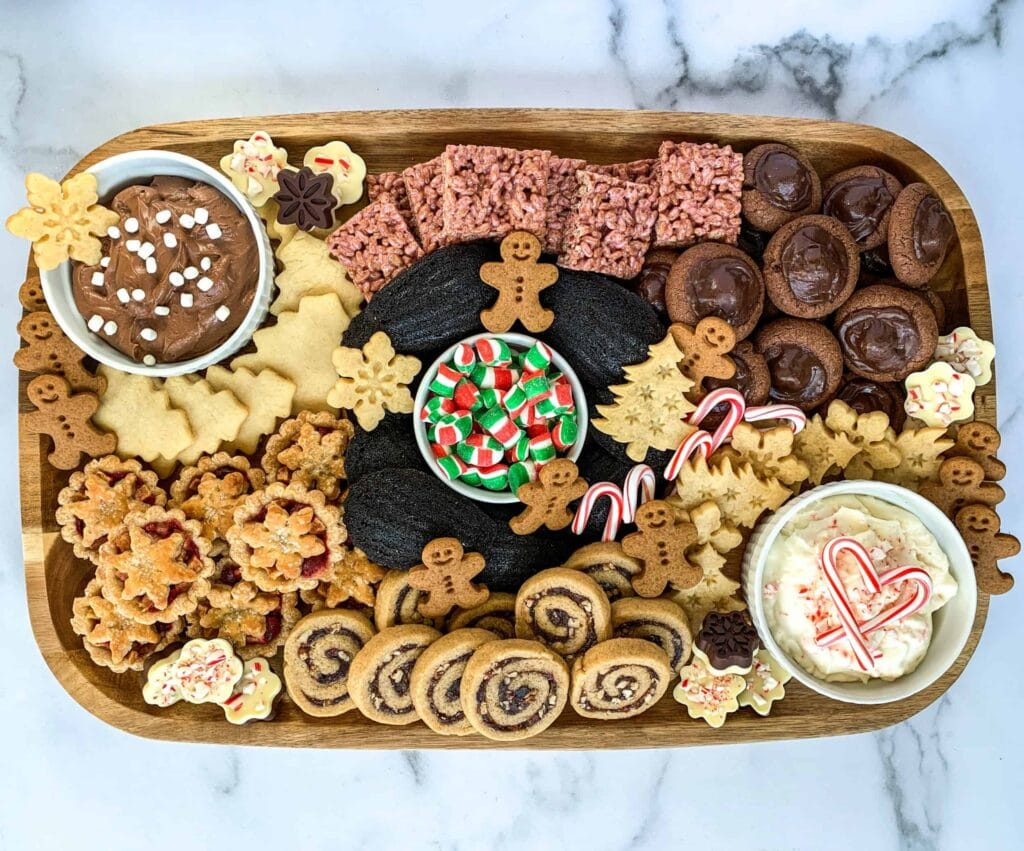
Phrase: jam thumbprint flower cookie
(563, 609)
(114, 640)
(255, 622)
(380, 679)
(157, 567)
(286, 538)
(514, 689)
(99, 497)
(355, 579)
(619, 678)
(310, 449)
(211, 491)
(318, 656)
(437, 680)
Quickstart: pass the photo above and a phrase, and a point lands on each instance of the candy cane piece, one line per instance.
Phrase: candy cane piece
(637, 489)
(586, 506)
(796, 418)
(922, 594)
(697, 440)
(737, 405)
(830, 567)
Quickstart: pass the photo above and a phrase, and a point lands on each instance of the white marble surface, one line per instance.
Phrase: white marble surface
(945, 73)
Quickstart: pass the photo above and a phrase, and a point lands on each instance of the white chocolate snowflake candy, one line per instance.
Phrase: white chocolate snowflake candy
(966, 352)
(939, 395)
(161, 687)
(253, 696)
(766, 682)
(706, 695)
(253, 166)
(206, 671)
(347, 169)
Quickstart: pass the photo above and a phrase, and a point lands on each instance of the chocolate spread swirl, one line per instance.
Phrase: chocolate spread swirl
(724, 287)
(178, 273)
(814, 265)
(859, 203)
(933, 230)
(783, 180)
(797, 374)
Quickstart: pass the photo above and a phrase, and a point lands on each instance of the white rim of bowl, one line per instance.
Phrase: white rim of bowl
(926, 512)
(106, 354)
(519, 341)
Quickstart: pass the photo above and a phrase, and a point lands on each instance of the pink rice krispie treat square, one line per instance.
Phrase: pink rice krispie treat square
(490, 192)
(424, 184)
(637, 171)
(388, 186)
(562, 187)
(699, 195)
(610, 228)
(374, 246)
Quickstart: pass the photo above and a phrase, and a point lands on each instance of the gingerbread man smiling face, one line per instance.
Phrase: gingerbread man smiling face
(445, 576)
(519, 280)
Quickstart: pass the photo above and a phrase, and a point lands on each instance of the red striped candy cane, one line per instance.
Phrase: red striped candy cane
(586, 506)
(697, 440)
(922, 594)
(844, 610)
(796, 418)
(637, 489)
(737, 406)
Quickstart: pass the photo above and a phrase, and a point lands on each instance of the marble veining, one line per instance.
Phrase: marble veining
(945, 74)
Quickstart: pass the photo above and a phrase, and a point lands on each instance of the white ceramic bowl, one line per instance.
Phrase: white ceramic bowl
(516, 341)
(113, 175)
(951, 625)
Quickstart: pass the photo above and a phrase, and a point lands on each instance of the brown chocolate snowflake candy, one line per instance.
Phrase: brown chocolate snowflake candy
(727, 641)
(305, 199)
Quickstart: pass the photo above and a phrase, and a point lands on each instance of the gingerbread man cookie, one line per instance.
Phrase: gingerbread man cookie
(660, 545)
(979, 526)
(49, 351)
(980, 441)
(705, 349)
(445, 578)
(547, 499)
(64, 416)
(961, 482)
(519, 278)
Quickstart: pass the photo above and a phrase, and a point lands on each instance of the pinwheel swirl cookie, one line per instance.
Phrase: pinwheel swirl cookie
(609, 566)
(563, 609)
(619, 678)
(514, 689)
(157, 567)
(437, 680)
(99, 497)
(286, 538)
(399, 603)
(661, 622)
(318, 656)
(380, 680)
(498, 615)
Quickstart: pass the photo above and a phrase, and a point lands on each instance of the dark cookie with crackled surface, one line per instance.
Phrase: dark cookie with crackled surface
(804, 361)
(811, 267)
(862, 199)
(779, 185)
(886, 332)
(921, 235)
(712, 279)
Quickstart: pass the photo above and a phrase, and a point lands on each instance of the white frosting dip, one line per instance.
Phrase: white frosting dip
(798, 605)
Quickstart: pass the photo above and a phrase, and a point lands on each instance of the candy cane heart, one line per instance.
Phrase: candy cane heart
(701, 439)
(638, 488)
(616, 506)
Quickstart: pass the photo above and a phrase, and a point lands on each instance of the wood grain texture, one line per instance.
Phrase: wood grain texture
(396, 139)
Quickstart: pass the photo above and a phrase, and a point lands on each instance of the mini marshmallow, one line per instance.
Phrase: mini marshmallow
(113, 232)
(97, 279)
(191, 273)
(123, 296)
(163, 217)
(146, 250)
(131, 224)
(201, 215)
(151, 265)
(110, 328)
(162, 310)
(176, 279)
(132, 245)
(170, 240)
(213, 230)
(139, 295)
(187, 300)
(95, 323)
(205, 264)
(104, 262)
(186, 221)
(222, 312)
(204, 284)
(148, 334)
(149, 360)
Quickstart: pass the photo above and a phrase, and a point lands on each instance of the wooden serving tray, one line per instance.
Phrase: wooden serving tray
(394, 140)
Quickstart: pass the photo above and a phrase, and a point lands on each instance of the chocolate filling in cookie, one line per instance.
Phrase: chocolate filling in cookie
(804, 361)
(778, 185)
(886, 332)
(921, 234)
(751, 378)
(866, 396)
(650, 283)
(862, 198)
(715, 280)
(811, 267)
